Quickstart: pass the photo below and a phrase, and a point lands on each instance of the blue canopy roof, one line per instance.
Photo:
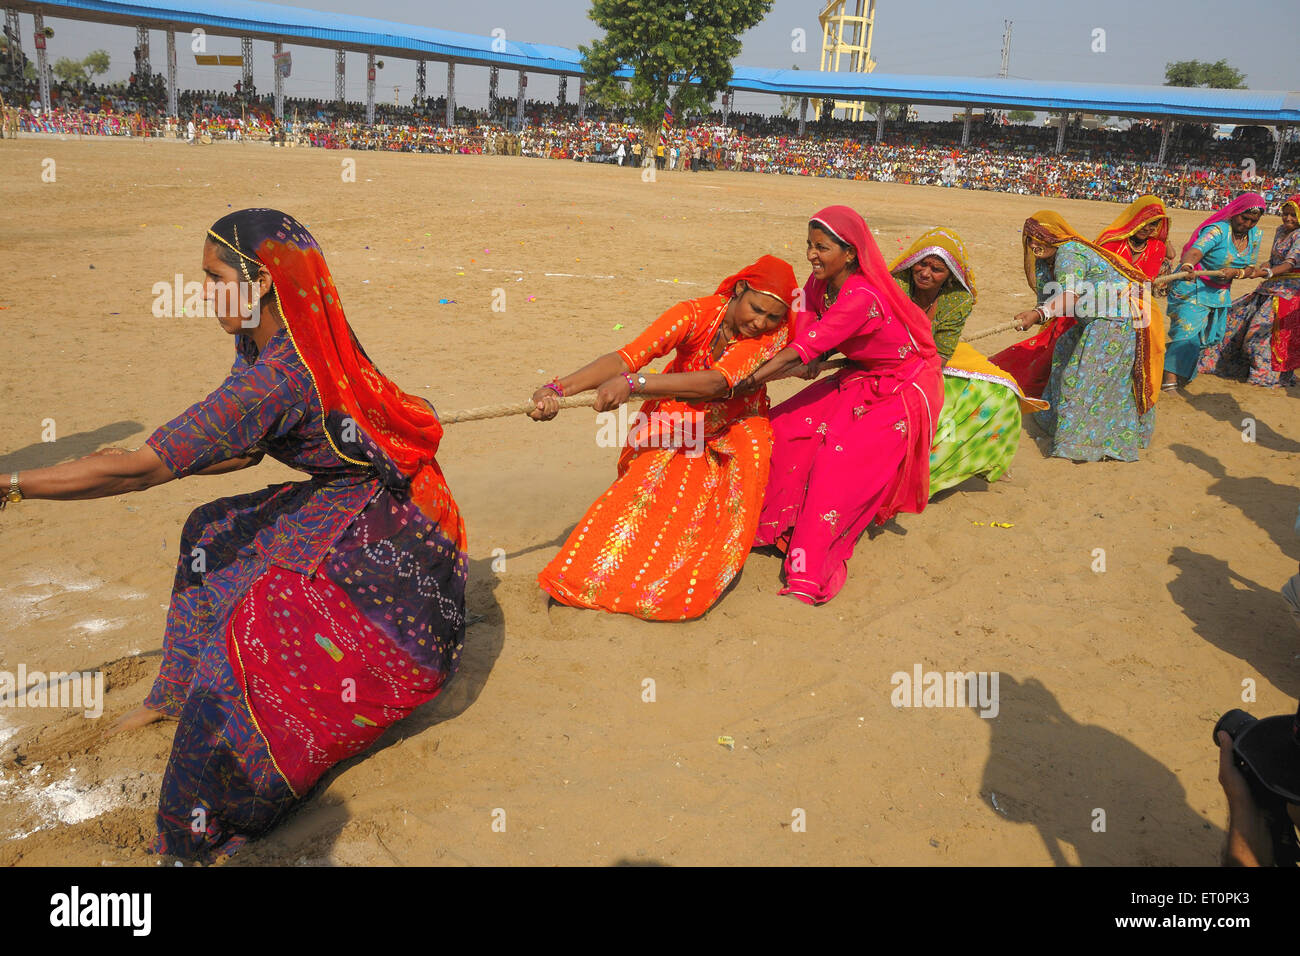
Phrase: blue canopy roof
(269, 21)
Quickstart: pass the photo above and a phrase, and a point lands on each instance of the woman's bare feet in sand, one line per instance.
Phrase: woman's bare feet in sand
(134, 719)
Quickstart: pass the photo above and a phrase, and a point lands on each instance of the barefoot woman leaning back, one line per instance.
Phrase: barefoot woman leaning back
(306, 617)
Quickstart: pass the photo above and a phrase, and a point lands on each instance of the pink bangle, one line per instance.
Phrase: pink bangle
(555, 386)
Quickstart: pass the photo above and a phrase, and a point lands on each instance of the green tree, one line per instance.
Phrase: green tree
(680, 52)
(1022, 116)
(790, 103)
(894, 112)
(96, 62)
(1218, 75)
(69, 70)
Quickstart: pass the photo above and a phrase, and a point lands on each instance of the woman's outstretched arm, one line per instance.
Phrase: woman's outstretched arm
(780, 365)
(546, 401)
(95, 476)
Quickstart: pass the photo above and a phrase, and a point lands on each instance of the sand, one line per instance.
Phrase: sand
(1110, 682)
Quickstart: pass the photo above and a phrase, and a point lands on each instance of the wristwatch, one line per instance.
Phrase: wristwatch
(12, 493)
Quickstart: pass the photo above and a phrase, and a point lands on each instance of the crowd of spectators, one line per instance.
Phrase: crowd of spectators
(1200, 170)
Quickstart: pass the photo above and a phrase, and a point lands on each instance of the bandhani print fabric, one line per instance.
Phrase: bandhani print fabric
(673, 531)
(307, 617)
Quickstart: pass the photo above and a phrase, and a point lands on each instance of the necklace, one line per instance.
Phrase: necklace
(721, 338)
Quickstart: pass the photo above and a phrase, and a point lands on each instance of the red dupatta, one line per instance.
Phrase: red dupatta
(1286, 317)
(1139, 213)
(368, 419)
(769, 275)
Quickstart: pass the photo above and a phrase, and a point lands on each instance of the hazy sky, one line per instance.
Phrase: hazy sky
(1049, 41)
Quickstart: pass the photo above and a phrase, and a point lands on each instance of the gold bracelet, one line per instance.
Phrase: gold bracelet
(13, 493)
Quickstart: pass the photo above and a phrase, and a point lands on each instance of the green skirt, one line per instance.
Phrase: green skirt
(978, 433)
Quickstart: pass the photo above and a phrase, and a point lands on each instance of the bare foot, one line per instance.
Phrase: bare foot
(134, 719)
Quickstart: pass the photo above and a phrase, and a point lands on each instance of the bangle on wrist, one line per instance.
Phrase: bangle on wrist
(555, 386)
(634, 382)
(12, 493)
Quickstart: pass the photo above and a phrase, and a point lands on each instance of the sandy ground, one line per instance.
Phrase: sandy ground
(1110, 682)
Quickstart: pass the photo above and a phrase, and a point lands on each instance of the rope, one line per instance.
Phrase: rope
(510, 408)
(507, 409)
(985, 333)
(982, 334)
(1179, 274)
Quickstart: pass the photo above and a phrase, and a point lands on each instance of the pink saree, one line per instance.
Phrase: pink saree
(851, 448)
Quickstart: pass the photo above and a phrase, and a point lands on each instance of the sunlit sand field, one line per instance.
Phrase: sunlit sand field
(1122, 605)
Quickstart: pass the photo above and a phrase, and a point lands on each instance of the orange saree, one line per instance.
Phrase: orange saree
(674, 529)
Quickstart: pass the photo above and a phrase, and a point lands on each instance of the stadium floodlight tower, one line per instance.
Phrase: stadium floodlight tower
(846, 43)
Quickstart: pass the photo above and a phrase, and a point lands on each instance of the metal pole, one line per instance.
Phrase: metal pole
(582, 98)
(803, 114)
(519, 101)
(494, 75)
(15, 42)
(370, 87)
(1060, 132)
(965, 128)
(279, 82)
(420, 74)
(171, 73)
(246, 54)
(145, 70)
(726, 107)
(451, 94)
(880, 123)
(41, 66)
(1277, 150)
(340, 75)
(564, 89)
(1164, 141)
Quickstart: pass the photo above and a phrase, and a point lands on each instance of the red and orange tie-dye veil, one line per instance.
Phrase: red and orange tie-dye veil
(369, 420)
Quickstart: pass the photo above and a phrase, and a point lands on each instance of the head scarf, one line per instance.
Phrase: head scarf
(1143, 210)
(769, 275)
(1293, 202)
(945, 244)
(1051, 229)
(368, 420)
(846, 225)
(1239, 205)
